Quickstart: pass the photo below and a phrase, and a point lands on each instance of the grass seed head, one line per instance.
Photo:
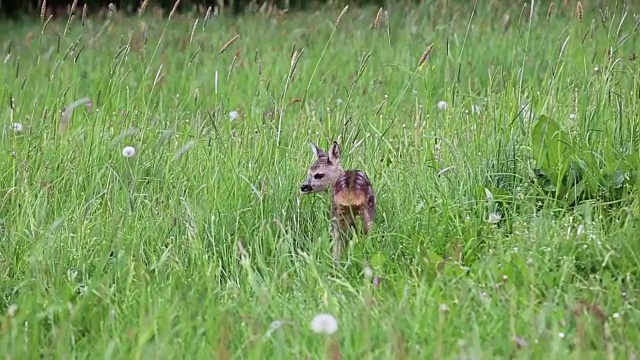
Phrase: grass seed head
(207, 16)
(112, 9)
(84, 14)
(376, 22)
(342, 13)
(228, 43)
(175, 7)
(579, 11)
(143, 7)
(425, 55)
(43, 10)
(73, 7)
(550, 11)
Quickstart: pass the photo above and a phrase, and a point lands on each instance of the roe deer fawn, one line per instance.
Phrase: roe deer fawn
(351, 194)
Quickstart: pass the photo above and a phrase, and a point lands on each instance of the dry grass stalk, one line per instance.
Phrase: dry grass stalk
(84, 14)
(333, 351)
(579, 11)
(425, 56)
(376, 23)
(228, 43)
(342, 13)
(550, 11)
(143, 7)
(43, 9)
(175, 7)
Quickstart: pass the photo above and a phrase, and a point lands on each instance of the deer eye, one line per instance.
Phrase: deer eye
(318, 176)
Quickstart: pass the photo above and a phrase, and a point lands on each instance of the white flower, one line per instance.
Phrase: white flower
(17, 127)
(444, 308)
(616, 315)
(368, 273)
(572, 116)
(495, 217)
(11, 311)
(128, 151)
(324, 324)
(233, 115)
(561, 335)
(442, 105)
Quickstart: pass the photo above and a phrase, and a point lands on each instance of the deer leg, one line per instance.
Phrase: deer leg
(367, 219)
(337, 223)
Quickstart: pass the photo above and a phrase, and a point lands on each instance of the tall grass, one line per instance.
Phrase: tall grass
(200, 245)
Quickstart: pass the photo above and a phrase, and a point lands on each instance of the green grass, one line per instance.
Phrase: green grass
(195, 245)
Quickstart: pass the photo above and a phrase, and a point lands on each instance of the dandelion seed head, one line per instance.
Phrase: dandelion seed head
(324, 324)
(442, 105)
(128, 151)
(368, 273)
(572, 116)
(233, 115)
(17, 127)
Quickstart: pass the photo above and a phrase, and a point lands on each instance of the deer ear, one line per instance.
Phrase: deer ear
(334, 152)
(317, 151)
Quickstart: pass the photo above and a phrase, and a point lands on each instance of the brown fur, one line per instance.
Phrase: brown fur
(351, 190)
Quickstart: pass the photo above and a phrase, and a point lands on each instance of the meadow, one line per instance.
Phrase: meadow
(151, 169)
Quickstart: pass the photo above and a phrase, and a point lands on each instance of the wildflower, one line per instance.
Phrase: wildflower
(324, 324)
(616, 315)
(368, 273)
(128, 151)
(444, 308)
(561, 335)
(17, 127)
(495, 217)
(11, 311)
(233, 115)
(572, 116)
(442, 105)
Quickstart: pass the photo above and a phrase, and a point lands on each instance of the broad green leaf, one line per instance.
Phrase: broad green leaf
(551, 148)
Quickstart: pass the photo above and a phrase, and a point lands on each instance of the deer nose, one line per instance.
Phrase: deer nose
(305, 188)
